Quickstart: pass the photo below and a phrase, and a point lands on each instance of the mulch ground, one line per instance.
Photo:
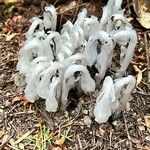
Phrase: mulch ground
(28, 126)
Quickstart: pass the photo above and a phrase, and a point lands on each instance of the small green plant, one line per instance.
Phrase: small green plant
(41, 139)
(9, 5)
(45, 138)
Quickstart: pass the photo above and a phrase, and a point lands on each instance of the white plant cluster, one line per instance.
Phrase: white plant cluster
(113, 97)
(53, 63)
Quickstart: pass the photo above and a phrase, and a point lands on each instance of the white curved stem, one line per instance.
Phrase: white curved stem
(34, 25)
(51, 98)
(46, 77)
(123, 88)
(125, 36)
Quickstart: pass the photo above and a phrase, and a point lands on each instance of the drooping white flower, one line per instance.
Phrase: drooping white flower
(34, 64)
(33, 77)
(40, 35)
(103, 107)
(112, 7)
(50, 17)
(51, 98)
(81, 17)
(77, 36)
(123, 88)
(36, 23)
(90, 52)
(91, 25)
(23, 63)
(104, 58)
(55, 69)
(67, 27)
(28, 52)
(72, 75)
(125, 37)
(100, 56)
(113, 97)
(117, 23)
(52, 44)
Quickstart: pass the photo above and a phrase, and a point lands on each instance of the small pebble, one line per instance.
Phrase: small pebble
(147, 138)
(7, 103)
(90, 132)
(8, 94)
(115, 123)
(85, 111)
(87, 120)
(2, 77)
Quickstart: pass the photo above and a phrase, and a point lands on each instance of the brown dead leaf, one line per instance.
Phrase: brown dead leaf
(147, 121)
(15, 24)
(10, 36)
(67, 7)
(139, 74)
(142, 9)
(16, 99)
(1, 1)
(60, 141)
(141, 128)
(69, 10)
(146, 148)
(135, 140)
(101, 132)
(140, 58)
(22, 99)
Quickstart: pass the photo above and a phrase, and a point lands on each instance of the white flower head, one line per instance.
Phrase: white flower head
(103, 107)
(50, 18)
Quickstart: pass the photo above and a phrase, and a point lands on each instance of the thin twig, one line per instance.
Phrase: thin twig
(127, 131)
(76, 11)
(142, 93)
(70, 9)
(79, 141)
(21, 113)
(147, 56)
(128, 6)
(56, 2)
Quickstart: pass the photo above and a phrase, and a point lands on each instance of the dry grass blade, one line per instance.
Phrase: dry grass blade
(10, 36)
(139, 74)
(127, 131)
(23, 137)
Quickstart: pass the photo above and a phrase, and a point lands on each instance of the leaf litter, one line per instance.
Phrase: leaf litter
(105, 136)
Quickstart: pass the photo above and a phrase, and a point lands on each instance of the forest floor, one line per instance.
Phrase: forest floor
(29, 126)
